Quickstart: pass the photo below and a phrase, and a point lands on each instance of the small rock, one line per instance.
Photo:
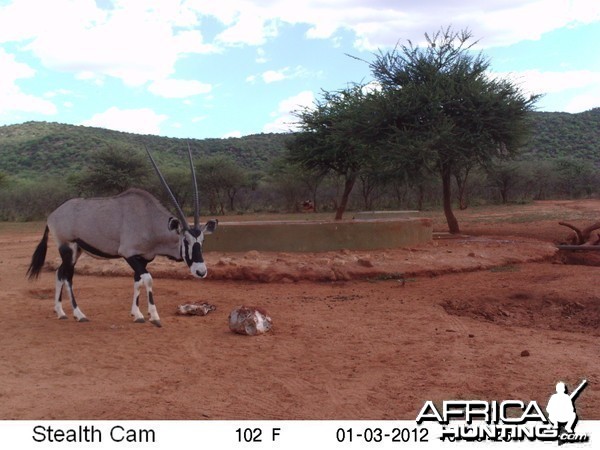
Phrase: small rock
(471, 254)
(525, 353)
(249, 320)
(365, 262)
(503, 312)
(471, 335)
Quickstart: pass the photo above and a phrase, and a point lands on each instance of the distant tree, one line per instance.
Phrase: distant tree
(542, 178)
(505, 177)
(220, 179)
(340, 135)
(575, 177)
(111, 171)
(24, 200)
(450, 107)
(461, 175)
(372, 186)
(180, 182)
(296, 183)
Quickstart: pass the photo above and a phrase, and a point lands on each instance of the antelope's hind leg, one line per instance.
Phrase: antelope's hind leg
(58, 297)
(69, 254)
(141, 277)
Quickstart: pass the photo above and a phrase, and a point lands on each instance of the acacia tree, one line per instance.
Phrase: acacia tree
(112, 170)
(451, 108)
(220, 178)
(340, 135)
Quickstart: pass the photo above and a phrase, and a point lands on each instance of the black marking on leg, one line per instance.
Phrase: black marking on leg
(150, 298)
(73, 302)
(67, 268)
(60, 273)
(59, 299)
(138, 264)
(66, 272)
(137, 301)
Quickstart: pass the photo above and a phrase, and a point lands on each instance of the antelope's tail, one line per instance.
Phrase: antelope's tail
(38, 257)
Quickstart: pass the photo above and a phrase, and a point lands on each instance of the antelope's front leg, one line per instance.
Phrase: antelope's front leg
(154, 318)
(138, 317)
(142, 277)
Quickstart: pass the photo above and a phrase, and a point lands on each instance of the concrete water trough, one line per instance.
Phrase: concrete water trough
(320, 236)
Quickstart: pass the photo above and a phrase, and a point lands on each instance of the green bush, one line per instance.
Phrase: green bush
(24, 200)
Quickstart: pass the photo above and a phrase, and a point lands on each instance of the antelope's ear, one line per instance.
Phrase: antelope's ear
(174, 224)
(210, 226)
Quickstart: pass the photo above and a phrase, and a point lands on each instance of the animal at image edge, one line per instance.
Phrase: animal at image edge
(133, 225)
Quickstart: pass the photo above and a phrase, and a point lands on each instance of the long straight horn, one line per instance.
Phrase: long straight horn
(194, 190)
(180, 213)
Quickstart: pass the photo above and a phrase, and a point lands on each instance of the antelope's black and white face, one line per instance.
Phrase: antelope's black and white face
(190, 247)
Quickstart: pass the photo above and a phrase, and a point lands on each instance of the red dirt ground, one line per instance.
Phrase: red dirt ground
(357, 335)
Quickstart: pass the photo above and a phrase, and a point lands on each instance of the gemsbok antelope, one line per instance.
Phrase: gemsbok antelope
(133, 225)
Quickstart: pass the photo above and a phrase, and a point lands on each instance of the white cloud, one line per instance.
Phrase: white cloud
(134, 41)
(232, 134)
(26, 19)
(253, 26)
(380, 23)
(580, 86)
(139, 41)
(191, 41)
(588, 100)
(261, 56)
(12, 69)
(58, 92)
(12, 98)
(172, 88)
(143, 44)
(141, 121)
(271, 76)
(284, 119)
(549, 82)
(90, 76)
(109, 49)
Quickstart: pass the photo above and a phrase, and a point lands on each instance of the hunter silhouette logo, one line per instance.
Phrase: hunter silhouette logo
(508, 420)
(561, 409)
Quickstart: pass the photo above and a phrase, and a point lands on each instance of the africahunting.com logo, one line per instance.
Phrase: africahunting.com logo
(508, 420)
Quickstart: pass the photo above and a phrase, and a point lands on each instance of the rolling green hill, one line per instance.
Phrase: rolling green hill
(43, 164)
(559, 134)
(37, 149)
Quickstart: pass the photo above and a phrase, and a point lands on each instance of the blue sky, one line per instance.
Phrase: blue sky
(206, 68)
